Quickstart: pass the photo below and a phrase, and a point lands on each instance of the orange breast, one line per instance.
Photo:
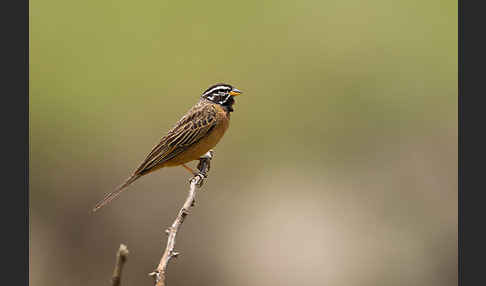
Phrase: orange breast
(205, 144)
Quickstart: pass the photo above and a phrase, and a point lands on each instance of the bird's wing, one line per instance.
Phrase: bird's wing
(194, 126)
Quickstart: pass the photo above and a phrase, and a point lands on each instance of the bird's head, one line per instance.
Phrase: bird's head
(221, 94)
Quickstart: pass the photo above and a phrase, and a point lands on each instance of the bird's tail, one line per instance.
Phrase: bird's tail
(111, 196)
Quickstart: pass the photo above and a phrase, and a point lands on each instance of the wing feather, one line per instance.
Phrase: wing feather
(188, 131)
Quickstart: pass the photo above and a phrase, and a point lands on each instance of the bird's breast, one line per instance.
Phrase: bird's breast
(206, 143)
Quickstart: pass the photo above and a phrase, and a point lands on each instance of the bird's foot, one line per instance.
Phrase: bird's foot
(199, 179)
(205, 163)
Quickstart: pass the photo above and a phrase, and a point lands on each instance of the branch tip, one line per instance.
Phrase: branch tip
(160, 274)
(121, 258)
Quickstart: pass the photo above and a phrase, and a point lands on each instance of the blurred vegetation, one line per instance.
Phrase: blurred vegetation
(340, 166)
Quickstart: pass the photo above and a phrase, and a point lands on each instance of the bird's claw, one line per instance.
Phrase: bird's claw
(199, 178)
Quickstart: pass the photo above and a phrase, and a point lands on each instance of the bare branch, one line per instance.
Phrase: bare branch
(160, 274)
(121, 258)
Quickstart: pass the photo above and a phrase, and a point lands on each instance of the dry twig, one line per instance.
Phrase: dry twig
(160, 274)
(121, 258)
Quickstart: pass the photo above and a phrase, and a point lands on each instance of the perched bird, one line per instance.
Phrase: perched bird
(195, 134)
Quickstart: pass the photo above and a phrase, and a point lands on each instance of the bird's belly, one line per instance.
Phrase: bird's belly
(197, 150)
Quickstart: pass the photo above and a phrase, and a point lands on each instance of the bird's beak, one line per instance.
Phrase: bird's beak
(235, 92)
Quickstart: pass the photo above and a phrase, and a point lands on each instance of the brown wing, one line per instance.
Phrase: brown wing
(194, 126)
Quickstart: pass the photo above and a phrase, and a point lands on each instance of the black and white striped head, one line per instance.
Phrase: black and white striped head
(221, 94)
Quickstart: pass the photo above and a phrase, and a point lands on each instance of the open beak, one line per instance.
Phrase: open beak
(235, 92)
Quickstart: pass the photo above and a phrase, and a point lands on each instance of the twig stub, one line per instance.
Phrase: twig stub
(121, 258)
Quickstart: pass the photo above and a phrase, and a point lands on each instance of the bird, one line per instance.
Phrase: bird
(197, 132)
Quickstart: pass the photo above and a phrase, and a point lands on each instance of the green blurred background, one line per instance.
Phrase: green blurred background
(339, 168)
